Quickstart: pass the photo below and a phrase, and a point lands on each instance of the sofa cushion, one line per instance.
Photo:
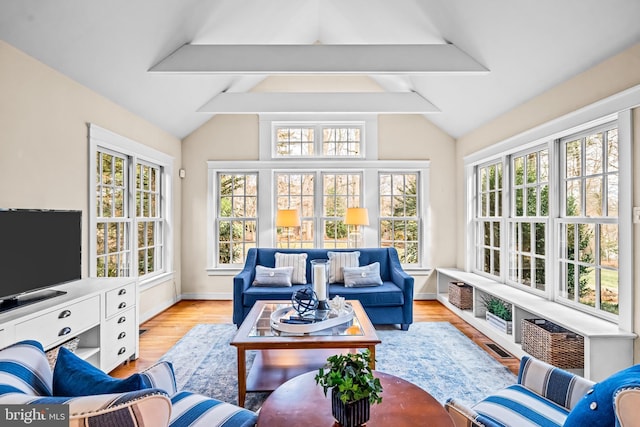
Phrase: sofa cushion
(193, 410)
(73, 376)
(518, 406)
(596, 407)
(385, 295)
(368, 275)
(24, 367)
(299, 264)
(340, 260)
(277, 276)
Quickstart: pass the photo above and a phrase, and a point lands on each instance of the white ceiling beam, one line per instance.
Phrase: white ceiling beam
(301, 59)
(336, 102)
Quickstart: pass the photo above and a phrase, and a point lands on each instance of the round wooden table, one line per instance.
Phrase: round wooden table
(300, 402)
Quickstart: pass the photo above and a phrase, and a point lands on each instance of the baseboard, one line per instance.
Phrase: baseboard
(425, 296)
(156, 310)
(208, 296)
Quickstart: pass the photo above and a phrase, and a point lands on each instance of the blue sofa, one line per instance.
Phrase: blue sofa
(389, 303)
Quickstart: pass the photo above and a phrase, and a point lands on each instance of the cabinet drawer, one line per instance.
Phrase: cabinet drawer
(116, 328)
(61, 324)
(120, 299)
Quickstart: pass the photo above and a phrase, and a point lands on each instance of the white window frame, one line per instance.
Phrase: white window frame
(318, 127)
(103, 139)
(267, 206)
(617, 107)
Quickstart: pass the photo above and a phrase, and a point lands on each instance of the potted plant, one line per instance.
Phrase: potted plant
(353, 387)
(498, 314)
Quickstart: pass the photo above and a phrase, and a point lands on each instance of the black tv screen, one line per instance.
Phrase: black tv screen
(38, 249)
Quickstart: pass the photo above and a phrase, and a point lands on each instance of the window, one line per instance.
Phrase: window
(318, 168)
(589, 220)
(237, 216)
(399, 220)
(129, 207)
(489, 218)
(562, 217)
(528, 222)
(318, 139)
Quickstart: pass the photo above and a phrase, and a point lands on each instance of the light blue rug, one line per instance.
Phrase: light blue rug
(433, 355)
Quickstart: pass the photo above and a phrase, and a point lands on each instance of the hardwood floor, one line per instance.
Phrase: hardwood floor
(165, 329)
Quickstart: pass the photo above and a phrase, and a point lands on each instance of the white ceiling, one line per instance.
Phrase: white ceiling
(528, 46)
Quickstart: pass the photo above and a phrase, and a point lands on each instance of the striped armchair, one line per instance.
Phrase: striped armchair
(26, 378)
(543, 396)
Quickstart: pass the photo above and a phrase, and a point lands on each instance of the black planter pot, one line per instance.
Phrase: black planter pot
(352, 414)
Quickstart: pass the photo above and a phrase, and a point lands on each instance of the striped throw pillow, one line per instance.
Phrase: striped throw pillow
(24, 367)
(338, 261)
(299, 264)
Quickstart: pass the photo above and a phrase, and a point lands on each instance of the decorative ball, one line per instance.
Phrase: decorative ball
(304, 301)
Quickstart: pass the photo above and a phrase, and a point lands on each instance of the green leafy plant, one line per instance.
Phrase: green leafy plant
(498, 307)
(351, 377)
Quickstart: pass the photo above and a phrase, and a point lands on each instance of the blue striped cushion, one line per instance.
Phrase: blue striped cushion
(518, 406)
(160, 375)
(24, 366)
(561, 387)
(194, 410)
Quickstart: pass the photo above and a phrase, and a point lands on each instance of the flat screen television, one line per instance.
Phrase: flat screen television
(38, 249)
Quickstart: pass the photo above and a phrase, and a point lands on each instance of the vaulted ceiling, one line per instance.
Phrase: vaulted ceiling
(525, 46)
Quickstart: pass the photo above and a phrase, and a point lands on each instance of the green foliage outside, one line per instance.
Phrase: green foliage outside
(351, 376)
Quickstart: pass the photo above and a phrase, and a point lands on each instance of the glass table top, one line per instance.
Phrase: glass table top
(262, 326)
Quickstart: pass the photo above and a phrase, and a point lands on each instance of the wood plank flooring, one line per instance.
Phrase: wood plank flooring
(165, 329)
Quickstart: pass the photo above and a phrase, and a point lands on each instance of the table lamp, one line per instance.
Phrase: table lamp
(287, 218)
(356, 217)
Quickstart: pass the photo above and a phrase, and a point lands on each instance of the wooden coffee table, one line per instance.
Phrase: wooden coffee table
(300, 402)
(282, 356)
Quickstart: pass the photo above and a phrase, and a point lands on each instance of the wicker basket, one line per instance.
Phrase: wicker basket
(52, 355)
(552, 343)
(461, 295)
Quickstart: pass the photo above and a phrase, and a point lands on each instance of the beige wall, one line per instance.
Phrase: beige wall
(44, 148)
(614, 75)
(235, 137)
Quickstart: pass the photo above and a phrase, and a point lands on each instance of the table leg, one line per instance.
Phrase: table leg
(372, 362)
(242, 376)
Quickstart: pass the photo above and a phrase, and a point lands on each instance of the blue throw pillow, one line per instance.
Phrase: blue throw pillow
(73, 376)
(596, 407)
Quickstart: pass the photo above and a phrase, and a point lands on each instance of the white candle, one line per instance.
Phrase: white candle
(320, 281)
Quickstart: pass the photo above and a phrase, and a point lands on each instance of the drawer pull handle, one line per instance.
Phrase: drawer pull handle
(64, 313)
(122, 335)
(121, 351)
(122, 305)
(122, 291)
(64, 331)
(122, 319)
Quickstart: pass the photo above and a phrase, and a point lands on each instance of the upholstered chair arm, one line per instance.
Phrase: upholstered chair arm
(241, 282)
(148, 407)
(161, 375)
(462, 415)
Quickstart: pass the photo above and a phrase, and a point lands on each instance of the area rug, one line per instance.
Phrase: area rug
(436, 356)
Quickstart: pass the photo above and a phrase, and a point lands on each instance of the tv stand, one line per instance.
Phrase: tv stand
(102, 314)
(30, 298)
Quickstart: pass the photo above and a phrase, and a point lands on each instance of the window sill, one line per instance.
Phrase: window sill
(222, 271)
(148, 283)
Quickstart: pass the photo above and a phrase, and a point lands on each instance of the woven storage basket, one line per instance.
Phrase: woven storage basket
(552, 343)
(461, 295)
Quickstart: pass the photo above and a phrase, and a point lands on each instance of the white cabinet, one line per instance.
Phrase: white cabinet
(102, 313)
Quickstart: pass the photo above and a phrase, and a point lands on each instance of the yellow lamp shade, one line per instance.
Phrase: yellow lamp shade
(357, 216)
(287, 218)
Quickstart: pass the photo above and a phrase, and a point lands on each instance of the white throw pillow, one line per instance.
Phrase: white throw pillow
(279, 276)
(338, 261)
(369, 275)
(299, 264)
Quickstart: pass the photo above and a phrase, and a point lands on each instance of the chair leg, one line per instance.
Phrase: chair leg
(405, 326)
